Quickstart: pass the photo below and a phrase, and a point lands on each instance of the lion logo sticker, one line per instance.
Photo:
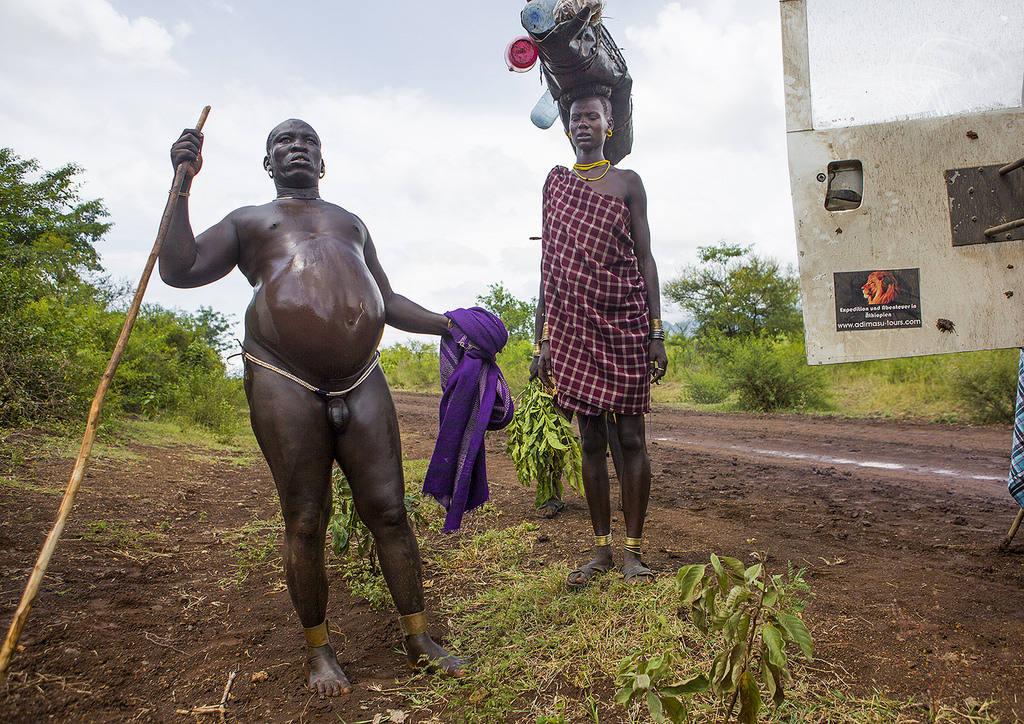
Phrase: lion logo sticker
(878, 299)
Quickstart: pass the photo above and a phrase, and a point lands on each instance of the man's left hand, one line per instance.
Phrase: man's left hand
(659, 359)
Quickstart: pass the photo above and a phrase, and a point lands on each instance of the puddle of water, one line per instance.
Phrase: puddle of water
(828, 460)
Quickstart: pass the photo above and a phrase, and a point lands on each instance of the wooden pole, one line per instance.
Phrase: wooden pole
(36, 578)
(1013, 530)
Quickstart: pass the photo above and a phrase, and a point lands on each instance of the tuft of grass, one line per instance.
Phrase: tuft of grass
(9, 481)
(254, 545)
(120, 535)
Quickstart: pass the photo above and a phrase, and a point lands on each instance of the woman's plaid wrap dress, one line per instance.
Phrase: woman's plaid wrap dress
(595, 300)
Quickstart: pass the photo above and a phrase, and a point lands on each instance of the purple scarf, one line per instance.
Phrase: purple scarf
(476, 399)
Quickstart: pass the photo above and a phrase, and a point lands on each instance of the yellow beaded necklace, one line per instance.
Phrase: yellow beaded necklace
(577, 167)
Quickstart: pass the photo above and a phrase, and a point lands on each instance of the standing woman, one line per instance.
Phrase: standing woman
(598, 324)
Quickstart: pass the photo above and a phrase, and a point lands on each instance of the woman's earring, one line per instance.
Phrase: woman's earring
(609, 133)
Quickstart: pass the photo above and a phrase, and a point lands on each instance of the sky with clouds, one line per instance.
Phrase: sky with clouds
(425, 132)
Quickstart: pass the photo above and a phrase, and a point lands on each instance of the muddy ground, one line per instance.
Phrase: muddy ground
(897, 524)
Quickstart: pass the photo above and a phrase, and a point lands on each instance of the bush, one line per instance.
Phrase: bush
(985, 383)
(412, 366)
(215, 402)
(705, 387)
(514, 362)
(60, 321)
(772, 374)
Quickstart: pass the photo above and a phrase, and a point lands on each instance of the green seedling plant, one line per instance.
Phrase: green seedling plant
(349, 535)
(348, 532)
(543, 445)
(642, 679)
(756, 617)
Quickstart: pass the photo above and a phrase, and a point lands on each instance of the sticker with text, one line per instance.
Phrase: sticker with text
(879, 299)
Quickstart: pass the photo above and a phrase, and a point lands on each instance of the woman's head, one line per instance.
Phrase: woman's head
(590, 121)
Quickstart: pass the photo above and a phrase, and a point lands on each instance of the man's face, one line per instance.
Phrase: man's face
(294, 153)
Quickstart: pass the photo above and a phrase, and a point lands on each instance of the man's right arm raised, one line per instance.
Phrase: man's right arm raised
(185, 259)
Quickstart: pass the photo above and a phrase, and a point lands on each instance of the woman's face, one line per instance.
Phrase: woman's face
(588, 123)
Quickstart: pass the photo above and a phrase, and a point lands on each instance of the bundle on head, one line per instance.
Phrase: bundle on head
(566, 9)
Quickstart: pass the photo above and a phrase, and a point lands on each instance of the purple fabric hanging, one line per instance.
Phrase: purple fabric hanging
(476, 399)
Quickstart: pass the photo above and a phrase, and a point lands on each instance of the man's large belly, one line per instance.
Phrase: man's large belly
(321, 314)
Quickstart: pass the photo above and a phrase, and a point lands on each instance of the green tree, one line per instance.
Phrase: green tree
(46, 231)
(517, 315)
(734, 293)
(59, 319)
(47, 237)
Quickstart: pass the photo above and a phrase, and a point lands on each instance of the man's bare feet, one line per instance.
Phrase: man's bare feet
(325, 675)
(424, 653)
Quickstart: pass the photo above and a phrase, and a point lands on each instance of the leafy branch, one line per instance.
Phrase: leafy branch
(757, 620)
(543, 445)
(643, 679)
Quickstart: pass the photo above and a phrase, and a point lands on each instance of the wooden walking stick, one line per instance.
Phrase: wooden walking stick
(1013, 530)
(36, 579)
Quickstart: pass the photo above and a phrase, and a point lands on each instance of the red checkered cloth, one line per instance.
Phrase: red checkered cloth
(595, 300)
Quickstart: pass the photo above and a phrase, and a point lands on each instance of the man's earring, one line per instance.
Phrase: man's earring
(270, 172)
(609, 133)
(323, 169)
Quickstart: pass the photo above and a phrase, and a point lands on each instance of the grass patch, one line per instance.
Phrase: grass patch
(120, 535)
(12, 482)
(170, 432)
(540, 653)
(254, 545)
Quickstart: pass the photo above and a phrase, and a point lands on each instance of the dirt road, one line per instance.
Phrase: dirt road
(897, 524)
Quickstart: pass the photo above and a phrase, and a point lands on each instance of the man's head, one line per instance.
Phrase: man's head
(293, 154)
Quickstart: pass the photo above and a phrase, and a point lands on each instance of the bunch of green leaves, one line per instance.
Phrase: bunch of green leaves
(643, 679)
(348, 532)
(755, 617)
(543, 445)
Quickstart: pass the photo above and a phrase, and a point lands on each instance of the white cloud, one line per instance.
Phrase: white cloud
(710, 129)
(94, 27)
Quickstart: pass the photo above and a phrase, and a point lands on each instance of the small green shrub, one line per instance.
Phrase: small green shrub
(412, 366)
(985, 383)
(347, 530)
(351, 540)
(705, 387)
(772, 374)
(651, 680)
(756, 617)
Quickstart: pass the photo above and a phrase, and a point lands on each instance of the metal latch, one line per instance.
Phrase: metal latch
(986, 203)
